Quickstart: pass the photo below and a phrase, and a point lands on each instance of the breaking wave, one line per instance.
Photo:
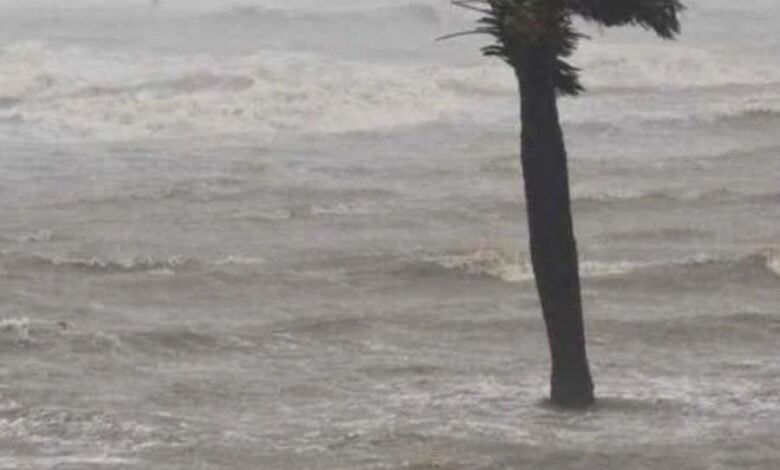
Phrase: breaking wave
(78, 93)
(179, 340)
(260, 15)
(22, 333)
(13, 263)
(25, 334)
(77, 429)
(660, 199)
(759, 269)
(81, 94)
(660, 235)
(98, 265)
(667, 66)
(18, 330)
(750, 116)
(491, 264)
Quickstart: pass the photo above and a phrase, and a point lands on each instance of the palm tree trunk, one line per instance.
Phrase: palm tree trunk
(552, 244)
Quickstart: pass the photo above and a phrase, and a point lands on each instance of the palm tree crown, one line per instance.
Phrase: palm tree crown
(519, 25)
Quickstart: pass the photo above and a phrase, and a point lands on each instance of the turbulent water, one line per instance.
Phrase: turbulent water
(290, 235)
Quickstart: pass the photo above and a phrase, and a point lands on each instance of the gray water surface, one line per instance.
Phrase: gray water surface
(290, 235)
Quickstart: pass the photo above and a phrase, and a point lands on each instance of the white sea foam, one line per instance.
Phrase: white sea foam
(240, 261)
(14, 463)
(773, 260)
(512, 269)
(80, 93)
(17, 328)
(98, 265)
(668, 66)
(117, 265)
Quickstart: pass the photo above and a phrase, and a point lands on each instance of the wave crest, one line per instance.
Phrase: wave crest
(668, 66)
(494, 264)
(664, 198)
(23, 332)
(751, 114)
(83, 94)
(764, 265)
(758, 269)
(18, 262)
(98, 265)
(259, 15)
(77, 93)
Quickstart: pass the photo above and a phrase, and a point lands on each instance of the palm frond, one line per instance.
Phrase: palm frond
(661, 16)
(519, 26)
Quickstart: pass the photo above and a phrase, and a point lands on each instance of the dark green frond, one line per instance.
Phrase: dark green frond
(521, 26)
(661, 16)
(567, 79)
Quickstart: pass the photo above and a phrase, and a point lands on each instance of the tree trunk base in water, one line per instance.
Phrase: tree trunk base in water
(572, 398)
(571, 385)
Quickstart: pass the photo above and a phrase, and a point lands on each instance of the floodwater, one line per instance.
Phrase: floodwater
(290, 235)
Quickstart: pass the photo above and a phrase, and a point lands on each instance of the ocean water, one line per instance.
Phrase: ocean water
(290, 235)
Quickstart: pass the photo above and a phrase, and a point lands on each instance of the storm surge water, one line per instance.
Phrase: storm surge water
(289, 234)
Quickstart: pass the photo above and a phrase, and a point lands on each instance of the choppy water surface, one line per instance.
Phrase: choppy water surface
(289, 235)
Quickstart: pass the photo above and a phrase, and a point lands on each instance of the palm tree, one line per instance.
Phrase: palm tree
(535, 37)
